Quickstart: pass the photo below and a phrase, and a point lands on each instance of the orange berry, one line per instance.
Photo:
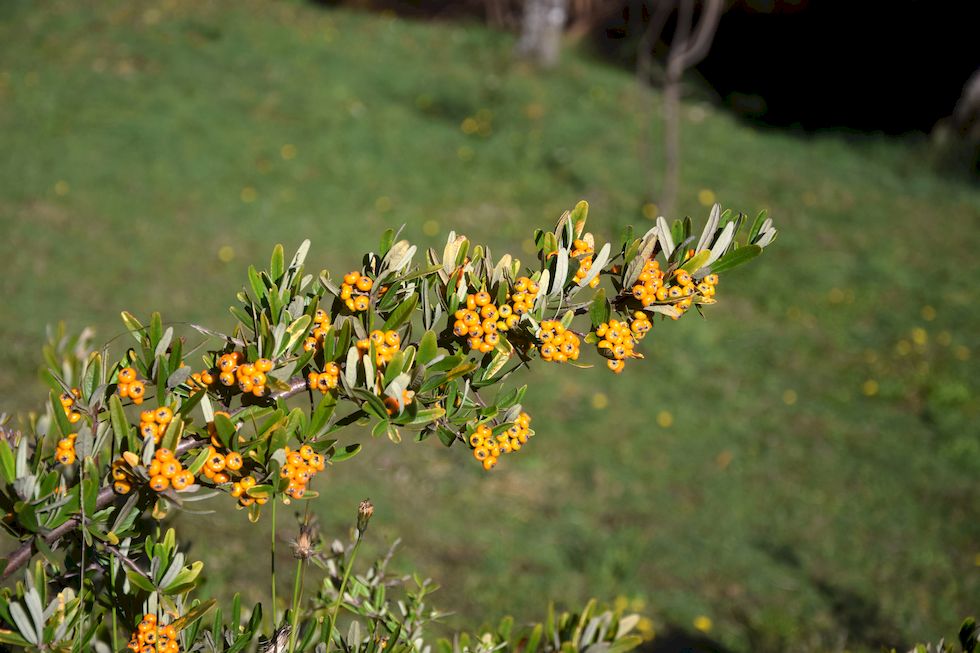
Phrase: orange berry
(361, 303)
(182, 480)
(364, 284)
(264, 364)
(159, 483)
(489, 463)
(127, 375)
(163, 415)
(170, 468)
(233, 461)
(215, 462)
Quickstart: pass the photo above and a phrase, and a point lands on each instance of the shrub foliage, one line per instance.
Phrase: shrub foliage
(405, 347)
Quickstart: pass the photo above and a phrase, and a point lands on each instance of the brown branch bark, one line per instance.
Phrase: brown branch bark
(106, 496)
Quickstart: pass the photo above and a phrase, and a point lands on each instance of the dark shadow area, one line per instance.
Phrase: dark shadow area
(859, 616)
(675, 640)
(891, 67)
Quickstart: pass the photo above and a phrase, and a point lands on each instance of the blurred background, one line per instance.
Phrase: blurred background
(797, 471)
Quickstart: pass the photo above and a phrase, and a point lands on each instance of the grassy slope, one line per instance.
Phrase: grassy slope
(782, 502)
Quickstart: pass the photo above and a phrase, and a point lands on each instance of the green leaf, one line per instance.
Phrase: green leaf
(320, 417)
(296, 332)
(387, 240)
(156, 330)
(258, 288)
(735, 258)
(117, 416)
(196, 613)
(263, 491)
(225, 428)
(401, 314)
(428, 347)
(349, 451)
(578, 217)
(695, 262)
(427, 415)
(133, 325)
(600, 309)
(7, 465)
(10, 637)
(139, 580)
(625, 644)
(278, 264)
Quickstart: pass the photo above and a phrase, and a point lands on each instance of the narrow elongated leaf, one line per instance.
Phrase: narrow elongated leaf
(401, 314)
(277, 264)
(735, 258)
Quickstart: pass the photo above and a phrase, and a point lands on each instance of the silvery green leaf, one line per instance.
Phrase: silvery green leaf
(635, 267)
(172, 570)
(23, 624)
(561, 271)
(709, 227)
(21, 466)
(180, 375)
(498, 271)
(33, 601)
(597, 264)
(453, 243)
(85, 442)
(664, 309)
(164, 343)
(300, 256)
(766, 237)
(722, 243)
(666, 240)
(368, 362)
(543, 283)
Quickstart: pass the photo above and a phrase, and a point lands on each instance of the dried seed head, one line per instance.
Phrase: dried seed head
(364, 512)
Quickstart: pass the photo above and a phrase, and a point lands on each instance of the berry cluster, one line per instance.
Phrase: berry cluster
(354, 291)
(165, 471)
(558, 344)
(480, 322)
(154, 423)
(300, 468)
(649, 286)
(581, 248)
(151, 637)
(523, 299)
(706, 288)
(487, 448)
(219, 466)
(640, 325)
(201, 379)
(239, 490)
(326, 380)
(65, 453)
(121, 476)
(321, 324)
(386, 345)
(129, 386)
(617, 341)
(68, 400)
(251, 377)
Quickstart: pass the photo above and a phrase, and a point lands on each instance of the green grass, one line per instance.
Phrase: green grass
(783, 502)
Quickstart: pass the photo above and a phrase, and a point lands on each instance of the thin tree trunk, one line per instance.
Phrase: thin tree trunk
(685, 51)
(541, 31)
(644, 73)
